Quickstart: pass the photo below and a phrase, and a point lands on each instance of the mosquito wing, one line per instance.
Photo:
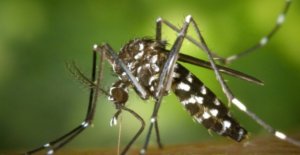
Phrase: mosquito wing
(222, 69)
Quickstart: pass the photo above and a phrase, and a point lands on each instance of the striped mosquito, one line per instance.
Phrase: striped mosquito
(152, 70)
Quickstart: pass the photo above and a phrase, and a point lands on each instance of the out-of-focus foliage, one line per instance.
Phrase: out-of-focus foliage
(40, 101)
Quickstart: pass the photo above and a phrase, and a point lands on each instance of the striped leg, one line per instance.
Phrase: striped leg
(263, 41)
(107, 53)
(165, 77)
(231, 98)
(53, 146)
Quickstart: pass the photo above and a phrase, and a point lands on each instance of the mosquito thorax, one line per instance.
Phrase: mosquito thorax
(144, 58)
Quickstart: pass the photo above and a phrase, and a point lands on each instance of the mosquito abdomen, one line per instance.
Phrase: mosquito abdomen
(203, 105)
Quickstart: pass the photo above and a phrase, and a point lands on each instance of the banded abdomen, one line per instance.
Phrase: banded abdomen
(204, 106)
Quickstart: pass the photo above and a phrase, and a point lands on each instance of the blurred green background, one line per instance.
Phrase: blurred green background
(40, 100)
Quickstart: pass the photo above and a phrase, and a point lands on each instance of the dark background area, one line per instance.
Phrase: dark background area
(40, 100)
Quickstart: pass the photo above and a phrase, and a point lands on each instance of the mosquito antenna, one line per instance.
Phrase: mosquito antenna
(75, 71)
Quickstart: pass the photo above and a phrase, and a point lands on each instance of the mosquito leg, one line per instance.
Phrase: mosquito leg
(261, 43)
(202, 44)
(61, 141)
(114, 60)
(158, 140)
(56, 144)
(269, 128)
(139, 131)
(192, 60)
(233, 99)
(158, 29)
(112, 57)
(158, 37)
(165, 78)
(113, 122)
(161, 21)
(264, 40)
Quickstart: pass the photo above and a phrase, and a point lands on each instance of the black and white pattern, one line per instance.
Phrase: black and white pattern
(153, 71)
(204, 106)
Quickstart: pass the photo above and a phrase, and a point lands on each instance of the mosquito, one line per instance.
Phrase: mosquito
(152, 70)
